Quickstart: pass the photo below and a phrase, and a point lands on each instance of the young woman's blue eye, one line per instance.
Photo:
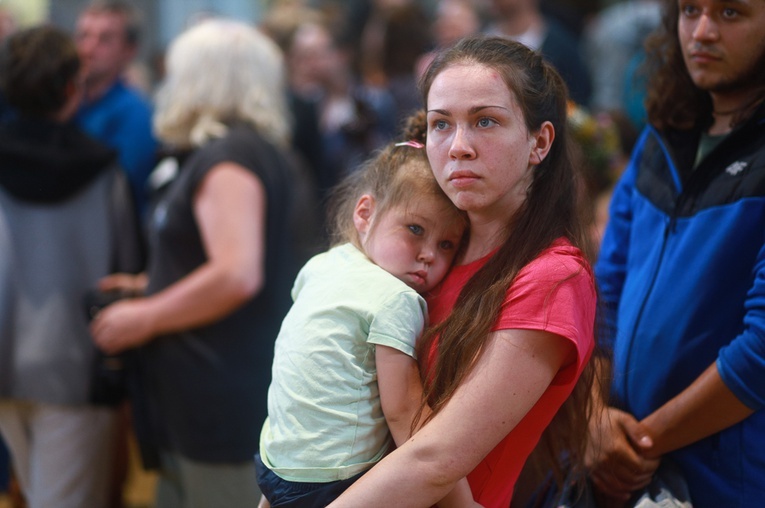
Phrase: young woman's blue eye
(485, 122)
(446, 245)
(416, 229)
(439, 125)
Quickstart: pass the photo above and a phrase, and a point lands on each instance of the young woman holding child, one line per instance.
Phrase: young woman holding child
(344, 370)
(512, 323)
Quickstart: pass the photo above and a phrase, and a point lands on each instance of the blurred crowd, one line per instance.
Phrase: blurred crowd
(334, 81)
(352, 71)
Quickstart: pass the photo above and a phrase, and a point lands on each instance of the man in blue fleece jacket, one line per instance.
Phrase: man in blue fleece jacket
(682, 268)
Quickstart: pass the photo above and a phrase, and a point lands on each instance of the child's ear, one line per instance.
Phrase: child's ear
(362, 214)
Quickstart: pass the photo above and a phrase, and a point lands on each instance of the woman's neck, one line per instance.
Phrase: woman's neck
(485, 237)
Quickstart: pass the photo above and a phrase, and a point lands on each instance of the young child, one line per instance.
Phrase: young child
(344, 372)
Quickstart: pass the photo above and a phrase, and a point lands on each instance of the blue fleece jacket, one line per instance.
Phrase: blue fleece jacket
(682, 278)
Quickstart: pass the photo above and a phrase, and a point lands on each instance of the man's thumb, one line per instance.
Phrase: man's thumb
(639, 435)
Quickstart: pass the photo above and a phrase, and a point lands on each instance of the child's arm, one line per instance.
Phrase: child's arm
(398, 378)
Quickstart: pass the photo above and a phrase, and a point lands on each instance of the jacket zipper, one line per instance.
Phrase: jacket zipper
(669, 228)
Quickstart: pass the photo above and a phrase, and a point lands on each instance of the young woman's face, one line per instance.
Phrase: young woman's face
(416, 243)
(478, 144)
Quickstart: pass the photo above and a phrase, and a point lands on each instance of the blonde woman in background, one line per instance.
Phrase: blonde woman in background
(220, 266)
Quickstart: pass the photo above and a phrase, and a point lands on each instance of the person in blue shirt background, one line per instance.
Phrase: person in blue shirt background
(113, 111)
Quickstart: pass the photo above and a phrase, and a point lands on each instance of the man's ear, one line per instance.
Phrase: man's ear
(542, 140)
(362, 214)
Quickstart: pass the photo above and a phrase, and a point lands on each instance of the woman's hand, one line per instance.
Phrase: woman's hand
(123, 325)
(124, 282)
(614, 456)
(229, 208)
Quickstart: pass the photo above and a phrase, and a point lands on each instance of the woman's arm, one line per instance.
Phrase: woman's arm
(229, 207)
(511, 375)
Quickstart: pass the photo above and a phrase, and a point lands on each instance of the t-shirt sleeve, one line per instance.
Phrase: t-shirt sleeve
(554, 293)
(304, 275)
(399, 322)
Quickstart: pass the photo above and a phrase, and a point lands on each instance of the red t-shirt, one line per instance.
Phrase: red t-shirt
(554, 293)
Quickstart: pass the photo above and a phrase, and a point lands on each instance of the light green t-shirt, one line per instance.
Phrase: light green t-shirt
(325, 419)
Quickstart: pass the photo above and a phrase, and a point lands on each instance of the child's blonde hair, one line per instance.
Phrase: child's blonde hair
(397, 175)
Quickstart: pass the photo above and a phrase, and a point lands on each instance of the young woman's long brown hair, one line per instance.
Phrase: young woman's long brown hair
(551, 210)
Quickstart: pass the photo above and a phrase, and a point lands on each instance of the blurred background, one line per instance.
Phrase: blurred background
(352, 68)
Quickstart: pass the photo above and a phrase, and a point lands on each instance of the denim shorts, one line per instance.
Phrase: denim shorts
(285, 494)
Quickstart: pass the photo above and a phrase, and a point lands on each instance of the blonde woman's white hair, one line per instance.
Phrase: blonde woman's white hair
(221, 72)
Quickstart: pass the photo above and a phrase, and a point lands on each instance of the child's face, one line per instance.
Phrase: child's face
(415, 243)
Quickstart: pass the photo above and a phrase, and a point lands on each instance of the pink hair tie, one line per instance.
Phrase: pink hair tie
(412, 143)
